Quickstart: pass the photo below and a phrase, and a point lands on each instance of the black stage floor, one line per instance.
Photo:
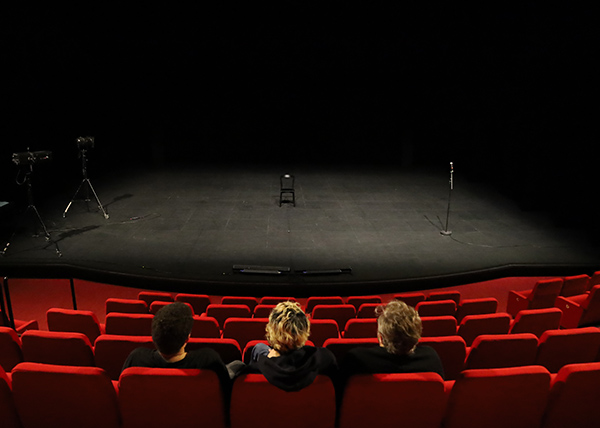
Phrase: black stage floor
(190, 229)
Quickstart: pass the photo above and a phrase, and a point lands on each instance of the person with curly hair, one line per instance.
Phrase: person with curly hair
(287, 362)
(399, 329)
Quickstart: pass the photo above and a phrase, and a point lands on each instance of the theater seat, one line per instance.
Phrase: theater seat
(228, 349)
(129, 324)
(436, 308)
(502, 350)
(473, 325)
(452, 350)
(557, 348)
(478, 306)
(542, 295)
(152, 397)
(418, 401)
(321, 330)
(111, 351)
(244, 330)
(575, 285)
(361, 328)
(340, 313)
(10, 348)
(574, 397)
(57, 347)
(340, 347)
(78, 321)
(206, 327)
(582, 310)
(438, 326)
(254, 402)
(9, 418)
(357, 301)
(444, 295)
(222, 312)
(411, 299)
(155, 296)
(126, 306)
(251, 302)
(313, 301)
(64, 396)
(199, 302)
(513, 397)
(536, 321)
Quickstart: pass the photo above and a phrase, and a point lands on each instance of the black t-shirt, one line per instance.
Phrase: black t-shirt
(297, 369)
(379, 360)
(205, 358)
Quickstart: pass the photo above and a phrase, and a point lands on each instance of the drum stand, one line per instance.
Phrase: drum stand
(88, 186)
(31, 206)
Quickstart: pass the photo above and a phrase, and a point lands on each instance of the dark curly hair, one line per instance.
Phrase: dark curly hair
(171, 327)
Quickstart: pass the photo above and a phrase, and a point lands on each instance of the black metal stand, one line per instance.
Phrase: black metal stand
(88, 186)
(447, 232)
(31, 207)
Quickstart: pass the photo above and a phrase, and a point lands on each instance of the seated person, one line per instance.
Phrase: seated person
(288, 363)
(398, 330)
(171, 329)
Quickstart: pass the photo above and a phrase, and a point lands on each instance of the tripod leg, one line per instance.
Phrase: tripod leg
(97, 198)
(70, 203)
(48, 237)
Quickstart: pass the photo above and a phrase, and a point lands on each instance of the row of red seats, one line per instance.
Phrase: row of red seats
(578, 297)
(35, 395)
(553, 350)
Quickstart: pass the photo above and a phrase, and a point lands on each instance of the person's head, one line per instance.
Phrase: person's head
(171, 327)
(288, 327)
(398, 327)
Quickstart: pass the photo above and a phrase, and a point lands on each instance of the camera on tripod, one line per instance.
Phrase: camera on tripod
(85, 143)
(31, 158)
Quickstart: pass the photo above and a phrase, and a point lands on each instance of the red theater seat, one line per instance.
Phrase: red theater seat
(10, 348)
(129, 324)
(155, 296)
(313, 301)
(557, 348)
(57, 347)
(222, 312)
(126, 306)
(9, 418)
(251, 302)
(536, 321)
(340, 313)
(274, 300)
(360, 328)
(244, 330)
(513, 397)
(323, 329)
(575, 285)
(444, 295)
(151, 397)
(419, 401)
(502, 350)
(581, 310)
(206, 327)
(228, 349)
(574, 397)
(436, 308)
(111, 351)
(357, 301)
(411, 299)
(367, 310)
(479, 306)
(542, 295)
(199, 302)
(452, 351)
(473, 325)
(78, 321)
(64, 396)
(254, 400)
(438, 326)
(263, 311)
(341, 346)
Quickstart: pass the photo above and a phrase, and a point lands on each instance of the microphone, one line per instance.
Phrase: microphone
(451, 175)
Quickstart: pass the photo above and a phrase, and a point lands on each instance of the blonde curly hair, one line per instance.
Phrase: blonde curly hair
(399, 327)
(288, 327)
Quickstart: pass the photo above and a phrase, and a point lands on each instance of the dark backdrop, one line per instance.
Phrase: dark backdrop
(502, 91)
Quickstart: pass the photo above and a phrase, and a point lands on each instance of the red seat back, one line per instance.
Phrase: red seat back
(361, 328)
(502, 350)
(418, 401)
(78, 321)
(513, 397)
(536, 321)
(129, 324)
(57, 347)
(64, 396)
(244, 330)
(10, 349)
(452, 350)
(111, 351)
(557, 348)
(323, 329)
(253, 398)
(166, 397)
(473, 325)
(340, 313)
(199, 302)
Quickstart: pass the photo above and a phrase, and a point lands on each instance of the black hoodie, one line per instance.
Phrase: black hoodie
(296, 369)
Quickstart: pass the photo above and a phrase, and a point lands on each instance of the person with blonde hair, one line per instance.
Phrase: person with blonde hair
(399, 329)
(287, 362)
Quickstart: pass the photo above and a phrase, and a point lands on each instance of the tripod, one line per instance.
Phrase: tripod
(88, 186)
(31, 206)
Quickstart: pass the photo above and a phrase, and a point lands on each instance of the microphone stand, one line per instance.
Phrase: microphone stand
(447, 232)
(88, 186)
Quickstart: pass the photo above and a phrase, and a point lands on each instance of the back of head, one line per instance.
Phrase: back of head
(171, 327)
(399, 327)
(288, 327)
